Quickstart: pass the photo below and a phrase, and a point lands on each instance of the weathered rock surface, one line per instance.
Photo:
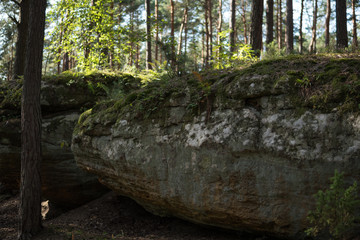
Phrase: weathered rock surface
(63, 183)
(248, 157)
(62, 97)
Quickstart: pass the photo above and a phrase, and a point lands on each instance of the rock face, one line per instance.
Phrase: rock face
(63, 183)
(249, 157)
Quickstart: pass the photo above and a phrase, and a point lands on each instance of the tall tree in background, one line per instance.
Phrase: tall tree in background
(232, 25)
(289, 36)
(244, 21)
(157, 30)
(269, 21)
(279, 24)
(22, 27)
(354, 32)
(219, 27)
(300, 27)
(256, 25)
(312, 46)
(341, 24)
(148, 34)
(209, 9)
(172, 34)
(30, 189)
(327, 23)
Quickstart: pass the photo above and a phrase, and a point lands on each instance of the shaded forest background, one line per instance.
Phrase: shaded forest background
(177, 35)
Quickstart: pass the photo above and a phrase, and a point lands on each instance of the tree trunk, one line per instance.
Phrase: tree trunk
(157, 30)
(172, 34)
(206, 33)
(59, 52)
(22, 27)
(232, 25)
(30, 189)
(327, 23)
(312, 46)
(181, 31)
(219, 26)
(148, 35)
(256, 26)
(279, 24)
(301, 26)
(66, 62)
(244, 22)
(341, 24)
(209, 8)
(269, 21)
(289, 37)
(354, 40)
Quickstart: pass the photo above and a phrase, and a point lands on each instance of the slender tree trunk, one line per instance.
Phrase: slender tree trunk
(232, 25)
(181, 31)
(312, 46)
(180, 39)
(131, 22)
(66, 62)
(22, 27)
(341, 24)
(186, 32)
(354, 40)
(279, 24)
(269, 21)
(203, 48)
(59, 52)
(172, 34)
(256, 25)
(219, 26)
(137, 56)
(30, 189)
(157, 30)
(327, 23)
(244, 22)
(111, 49)
(300, 28)
(210, 29)
(206, 33)
(289, 27)
(148, 35)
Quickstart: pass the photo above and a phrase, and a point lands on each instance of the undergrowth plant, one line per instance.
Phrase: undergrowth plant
(335, 211)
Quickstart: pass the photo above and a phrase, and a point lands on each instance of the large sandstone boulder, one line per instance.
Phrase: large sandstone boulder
(244, 150)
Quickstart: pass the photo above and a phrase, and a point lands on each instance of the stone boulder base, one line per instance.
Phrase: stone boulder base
(252, 159)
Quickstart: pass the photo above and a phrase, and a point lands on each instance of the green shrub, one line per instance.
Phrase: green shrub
(335, 212)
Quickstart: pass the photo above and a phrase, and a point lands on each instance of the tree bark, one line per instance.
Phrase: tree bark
(157, 30)
(354, 32)
(256, 26)
(244, 22)
(289, 37)
(209, 8)
(219, 26)
(279, 24)
(148, 35)
(269, 21)
(312, 46)
(30, 189)
(300, 28)
(172, 34)
(206, 33)
(327, 23)
(232, 25)
(181, 31)
(22, 27)
(341, 24)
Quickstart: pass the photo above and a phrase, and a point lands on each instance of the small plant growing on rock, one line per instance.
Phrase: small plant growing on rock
(335, 212)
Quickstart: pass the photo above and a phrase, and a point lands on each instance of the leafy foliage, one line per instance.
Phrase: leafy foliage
(335, 208)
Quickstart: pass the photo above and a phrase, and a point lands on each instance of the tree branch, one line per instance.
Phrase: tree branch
(16, 2)
(13, 19)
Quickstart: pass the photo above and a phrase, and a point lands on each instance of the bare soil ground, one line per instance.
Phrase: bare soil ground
(112, 217)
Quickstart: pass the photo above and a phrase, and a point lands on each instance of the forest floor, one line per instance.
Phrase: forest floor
(112, 217)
